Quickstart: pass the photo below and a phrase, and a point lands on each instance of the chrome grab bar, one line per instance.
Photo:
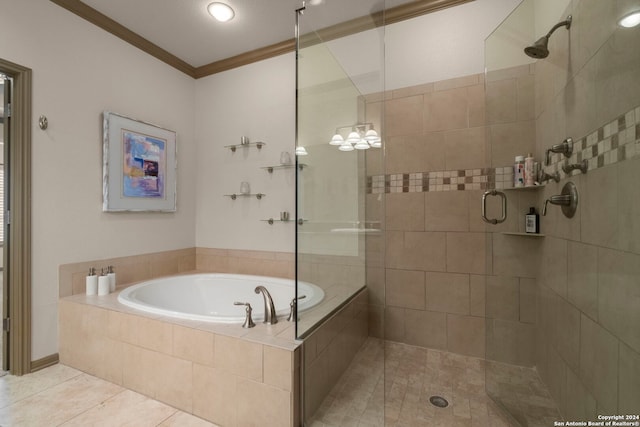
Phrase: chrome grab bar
(503, 196)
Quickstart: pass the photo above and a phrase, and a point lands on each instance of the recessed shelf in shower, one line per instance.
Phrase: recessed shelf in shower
(509, 233)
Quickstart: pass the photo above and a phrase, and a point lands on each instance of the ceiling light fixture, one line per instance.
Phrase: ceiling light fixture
(630, 20)
(361, 137)
(221, 11)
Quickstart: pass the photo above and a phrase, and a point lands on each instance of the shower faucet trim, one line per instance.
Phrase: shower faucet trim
(565, 147)
(582, 167)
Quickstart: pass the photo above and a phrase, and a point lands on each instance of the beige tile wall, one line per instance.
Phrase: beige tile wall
(213, 372)
(71, 277)
(588, 339)
(146, 266)
(329, 350)
(439, 258)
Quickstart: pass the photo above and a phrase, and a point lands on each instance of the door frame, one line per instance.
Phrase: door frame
(17, 267)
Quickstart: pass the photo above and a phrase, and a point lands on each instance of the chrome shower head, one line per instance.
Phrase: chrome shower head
(540, 48)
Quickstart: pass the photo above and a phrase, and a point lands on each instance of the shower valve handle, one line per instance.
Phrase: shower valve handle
(248, 321)
(566, 148)
(294, 308)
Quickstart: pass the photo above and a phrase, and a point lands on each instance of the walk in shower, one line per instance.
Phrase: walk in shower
(434, 316)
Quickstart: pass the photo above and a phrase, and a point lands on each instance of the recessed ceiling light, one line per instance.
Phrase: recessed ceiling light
(630, 20)
(220, 11)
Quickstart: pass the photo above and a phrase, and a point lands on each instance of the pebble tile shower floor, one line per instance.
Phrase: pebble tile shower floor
(412, 375)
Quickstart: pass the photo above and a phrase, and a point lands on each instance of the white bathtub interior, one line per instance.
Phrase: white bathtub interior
(210, 297)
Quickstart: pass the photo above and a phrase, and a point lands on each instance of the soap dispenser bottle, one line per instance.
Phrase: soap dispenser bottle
(91, 282)
(532, 221)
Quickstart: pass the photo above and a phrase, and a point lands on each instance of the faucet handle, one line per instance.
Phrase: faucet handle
(294, 308)
(248, 321)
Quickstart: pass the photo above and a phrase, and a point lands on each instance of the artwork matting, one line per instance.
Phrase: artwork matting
(139, 166)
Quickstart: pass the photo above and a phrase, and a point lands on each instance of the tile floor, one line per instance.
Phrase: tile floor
(408, 376)
(411, 375)
(63, 396)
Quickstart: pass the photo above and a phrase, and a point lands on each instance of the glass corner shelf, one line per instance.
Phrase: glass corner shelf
(270, 169)
(234, 147)
(256, 195)
(300, 221)
(509, 233)
(529, 188)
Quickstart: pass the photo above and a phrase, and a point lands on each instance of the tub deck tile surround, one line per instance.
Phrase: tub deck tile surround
(136, 268)
(205, 369)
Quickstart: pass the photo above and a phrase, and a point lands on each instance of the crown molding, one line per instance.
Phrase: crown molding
(103, 21)
(390, 16)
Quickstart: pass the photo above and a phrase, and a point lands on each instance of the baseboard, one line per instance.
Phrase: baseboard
(45, 362)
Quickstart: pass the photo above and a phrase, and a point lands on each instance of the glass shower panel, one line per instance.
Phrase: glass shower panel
(336, 68)
(339, 67)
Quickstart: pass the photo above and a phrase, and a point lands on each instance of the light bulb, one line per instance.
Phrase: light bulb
(337, 139)
(361, 145)
(371, 136)
(301, 151)
(353, 137)
(630, 20)
(346, 146)
(220, 11)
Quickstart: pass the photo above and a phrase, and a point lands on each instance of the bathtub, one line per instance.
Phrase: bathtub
(209, 297)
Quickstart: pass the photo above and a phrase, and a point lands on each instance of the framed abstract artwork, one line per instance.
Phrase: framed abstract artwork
(139, 166)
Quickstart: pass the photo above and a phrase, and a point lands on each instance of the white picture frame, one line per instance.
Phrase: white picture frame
(139, 166)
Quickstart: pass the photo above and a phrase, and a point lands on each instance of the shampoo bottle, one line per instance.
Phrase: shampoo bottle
(518, 172)
(532, 221)
(529, 171)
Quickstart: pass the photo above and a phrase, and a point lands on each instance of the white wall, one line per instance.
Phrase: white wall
(257, 101)
(437, 46)
(79, 71)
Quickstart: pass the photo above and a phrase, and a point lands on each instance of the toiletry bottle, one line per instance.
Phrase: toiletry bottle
(112, 278)
(103, 284)
(532, 221)
(91, 282)
(529, 171)
(518, 172)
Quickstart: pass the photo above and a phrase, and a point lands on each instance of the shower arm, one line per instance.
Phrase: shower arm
(565, 23)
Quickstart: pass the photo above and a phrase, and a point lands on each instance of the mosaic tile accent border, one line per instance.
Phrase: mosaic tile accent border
(614, 142)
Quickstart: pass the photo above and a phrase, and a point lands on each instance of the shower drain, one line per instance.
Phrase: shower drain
(438, 401)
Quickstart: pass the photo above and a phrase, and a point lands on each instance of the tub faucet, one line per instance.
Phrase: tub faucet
(269, 309)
